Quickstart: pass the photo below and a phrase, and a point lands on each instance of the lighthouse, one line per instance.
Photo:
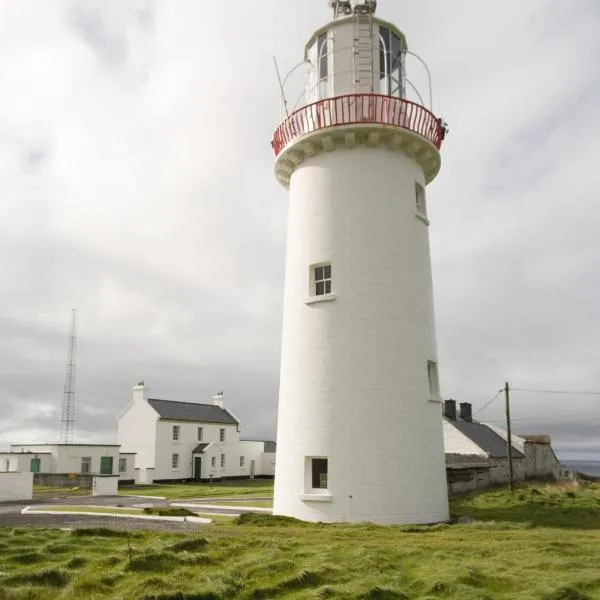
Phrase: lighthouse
(359, 432)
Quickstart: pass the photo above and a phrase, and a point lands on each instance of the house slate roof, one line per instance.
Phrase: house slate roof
(485, 438)
(199, 448)
(190, 411)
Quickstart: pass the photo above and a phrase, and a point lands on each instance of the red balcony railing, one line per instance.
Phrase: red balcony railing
(359, 109)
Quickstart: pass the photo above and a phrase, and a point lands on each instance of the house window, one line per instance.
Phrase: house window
(391, 63)
(86, 465)
(200, 434)
(321, 275)
(222, 461)
(176, 432)
(432, 377)
(175, 461)
(213, 462)
(420, 199)
(242, 461)
(122, 465)
(222, 434)
(319, 473)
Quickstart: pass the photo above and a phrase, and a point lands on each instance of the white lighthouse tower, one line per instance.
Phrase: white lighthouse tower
(359, 428)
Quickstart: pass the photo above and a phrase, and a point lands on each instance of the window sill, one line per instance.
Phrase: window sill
(316, 497)
(423, 218)
(325, 298)
(436, 399)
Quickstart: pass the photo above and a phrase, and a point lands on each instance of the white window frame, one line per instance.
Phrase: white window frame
(223, 461)
(222, 434)
(175, 461)
(122, 464)
(213, 462)
(311, 493)
(176, 433)
(421, 202)
(242, 461)
(321, 273)
(433, 381)
(200, 433)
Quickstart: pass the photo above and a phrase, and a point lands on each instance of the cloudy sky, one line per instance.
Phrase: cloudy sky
(136, 185)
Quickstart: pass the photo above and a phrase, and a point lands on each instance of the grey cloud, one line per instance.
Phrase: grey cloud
(142, 193)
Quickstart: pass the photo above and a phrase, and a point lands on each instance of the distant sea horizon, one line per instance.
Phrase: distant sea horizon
(589, 467)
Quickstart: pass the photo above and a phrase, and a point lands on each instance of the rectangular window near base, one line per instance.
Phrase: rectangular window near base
(213, 461)
(242, 461)
(175, 461)
(321, 280)
(319, 473)
(86, 465)
(222, 461)
(122, 465)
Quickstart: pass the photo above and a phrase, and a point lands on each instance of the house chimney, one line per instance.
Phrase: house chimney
(450, 409)
(140, 392)
(219, 400)
(466, 412)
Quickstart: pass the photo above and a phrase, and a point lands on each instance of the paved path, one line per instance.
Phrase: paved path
(10, 513)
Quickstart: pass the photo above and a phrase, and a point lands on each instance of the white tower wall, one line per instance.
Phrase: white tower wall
(354, 384)
(358, 385)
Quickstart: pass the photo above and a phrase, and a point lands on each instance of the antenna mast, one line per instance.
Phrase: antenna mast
(67, 420)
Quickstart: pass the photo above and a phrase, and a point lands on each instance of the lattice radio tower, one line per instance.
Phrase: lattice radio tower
(67, 420)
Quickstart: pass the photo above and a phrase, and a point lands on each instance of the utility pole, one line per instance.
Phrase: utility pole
(67, 421)
(508, 436)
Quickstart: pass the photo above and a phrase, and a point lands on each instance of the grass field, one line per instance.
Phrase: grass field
(183, 491)
(541, 542)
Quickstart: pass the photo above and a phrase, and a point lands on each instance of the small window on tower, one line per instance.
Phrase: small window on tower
(319, 473)
(432, 376)
(321, 280)
(420, 199)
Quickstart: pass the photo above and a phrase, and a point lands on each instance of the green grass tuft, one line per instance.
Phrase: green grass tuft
(77, 562)
(27, 558)
(192, 545)
(103, 532)
(48, 577)
(265, 520)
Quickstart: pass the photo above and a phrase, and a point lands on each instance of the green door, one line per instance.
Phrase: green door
(106, 465)
(34, 465)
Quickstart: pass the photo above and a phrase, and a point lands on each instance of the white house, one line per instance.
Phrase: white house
(186, 440)
(83, 459)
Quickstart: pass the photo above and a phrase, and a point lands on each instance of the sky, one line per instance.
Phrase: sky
(137, 186)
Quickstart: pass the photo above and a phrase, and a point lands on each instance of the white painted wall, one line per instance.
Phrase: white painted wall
(129, 474)
(353, 384)
(21, 461)
(456, 442)
(267, 462)
(69, 458)
(188, 440)
(137, 428)
(16, 486)
(105, 486)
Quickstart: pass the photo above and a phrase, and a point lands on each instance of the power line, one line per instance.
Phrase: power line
(571, 392)
(488, 402)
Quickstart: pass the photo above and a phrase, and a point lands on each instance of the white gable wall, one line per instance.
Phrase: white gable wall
(456, 442)
(137, 429)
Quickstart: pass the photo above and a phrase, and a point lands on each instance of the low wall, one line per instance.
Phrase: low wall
(63, 480)
(16, 486)
(105, 485)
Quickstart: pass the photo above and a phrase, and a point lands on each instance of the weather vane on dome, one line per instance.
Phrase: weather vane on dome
(342, 8)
